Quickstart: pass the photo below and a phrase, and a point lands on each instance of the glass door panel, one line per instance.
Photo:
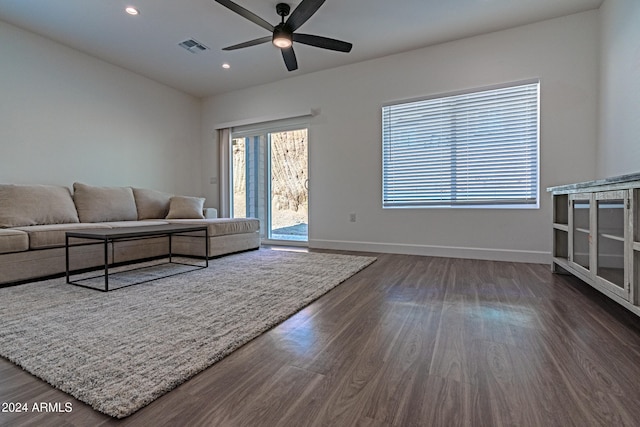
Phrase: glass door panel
(581, 224)
(239, 178)
(249, 179)
(289, 192)
(611, 241)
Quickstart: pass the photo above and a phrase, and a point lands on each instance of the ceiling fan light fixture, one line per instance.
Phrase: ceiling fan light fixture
(282, 38)
(282, 42)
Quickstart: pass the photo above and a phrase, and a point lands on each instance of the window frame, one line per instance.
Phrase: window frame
(452, 202)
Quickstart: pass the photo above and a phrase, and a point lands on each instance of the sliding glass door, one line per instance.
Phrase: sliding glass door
(270, 181)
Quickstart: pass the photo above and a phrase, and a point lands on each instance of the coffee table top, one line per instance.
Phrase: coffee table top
(134, 231)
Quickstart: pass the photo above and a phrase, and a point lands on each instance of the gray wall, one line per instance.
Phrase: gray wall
(66, 116)
(619, 137)
(345, 137)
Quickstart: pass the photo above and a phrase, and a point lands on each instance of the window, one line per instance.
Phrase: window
(474, 149)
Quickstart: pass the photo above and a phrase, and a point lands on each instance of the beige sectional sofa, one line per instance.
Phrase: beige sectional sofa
(35, 218)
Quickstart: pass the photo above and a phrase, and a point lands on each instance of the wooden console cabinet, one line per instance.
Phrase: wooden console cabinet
(596, 235)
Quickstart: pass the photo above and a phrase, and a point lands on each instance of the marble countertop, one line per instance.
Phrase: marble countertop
(606, 181)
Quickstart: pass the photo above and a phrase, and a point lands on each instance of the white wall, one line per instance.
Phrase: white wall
(345, 138)
(66, 116)
(619, 136)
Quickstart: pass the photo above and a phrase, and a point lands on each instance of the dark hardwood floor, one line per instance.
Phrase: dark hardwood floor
(408, 341)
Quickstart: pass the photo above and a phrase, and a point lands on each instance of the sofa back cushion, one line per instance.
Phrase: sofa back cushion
(22, 205)
(151, 204)
(101, 204)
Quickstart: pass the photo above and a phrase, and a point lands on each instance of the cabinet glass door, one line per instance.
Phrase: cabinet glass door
(581, 238)
(611, 241)
(611, 219)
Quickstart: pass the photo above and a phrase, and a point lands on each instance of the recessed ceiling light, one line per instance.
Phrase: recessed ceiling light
(226, 66)
(132, 11)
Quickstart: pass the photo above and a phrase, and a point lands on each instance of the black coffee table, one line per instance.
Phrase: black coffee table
(111, 235)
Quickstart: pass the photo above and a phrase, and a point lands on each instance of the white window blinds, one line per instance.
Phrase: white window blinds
(471, 149)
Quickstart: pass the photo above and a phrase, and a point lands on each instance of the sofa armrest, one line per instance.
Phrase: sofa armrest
(210, 213)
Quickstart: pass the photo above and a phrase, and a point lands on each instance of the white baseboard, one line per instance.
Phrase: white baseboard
(531, 257)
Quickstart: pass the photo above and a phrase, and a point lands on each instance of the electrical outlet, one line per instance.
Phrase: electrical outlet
(213, 180)
(352, 217)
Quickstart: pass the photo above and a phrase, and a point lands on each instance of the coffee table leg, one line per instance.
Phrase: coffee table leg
(106, 265)
(170, 248)
(66, 256)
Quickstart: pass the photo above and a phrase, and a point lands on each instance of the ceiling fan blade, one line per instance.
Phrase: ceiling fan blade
(246, 14)
(323, 42)
(290, 59)
(249, 43)
(302, 13)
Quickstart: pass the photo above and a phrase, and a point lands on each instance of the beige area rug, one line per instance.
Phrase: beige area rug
(118, 351)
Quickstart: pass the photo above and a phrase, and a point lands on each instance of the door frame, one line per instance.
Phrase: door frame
(267, 130)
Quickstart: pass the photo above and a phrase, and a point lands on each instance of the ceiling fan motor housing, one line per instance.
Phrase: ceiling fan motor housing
(282, 34)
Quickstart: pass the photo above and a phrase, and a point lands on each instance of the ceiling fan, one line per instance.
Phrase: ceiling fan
(283, 34)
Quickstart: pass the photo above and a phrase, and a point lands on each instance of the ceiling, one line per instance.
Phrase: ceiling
(148, 43)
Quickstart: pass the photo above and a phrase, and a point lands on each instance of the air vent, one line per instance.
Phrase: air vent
(193, 46)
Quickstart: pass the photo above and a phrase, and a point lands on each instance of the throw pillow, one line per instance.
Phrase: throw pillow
(182, 207)
(22, 205)
(151, 204)
(101, 204)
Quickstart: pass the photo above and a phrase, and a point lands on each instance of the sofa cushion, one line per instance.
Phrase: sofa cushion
(53, 235)
(35, 204)
(224, 226)
(182, 207)
(13, 241)
(151, 204)
(100, 204)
